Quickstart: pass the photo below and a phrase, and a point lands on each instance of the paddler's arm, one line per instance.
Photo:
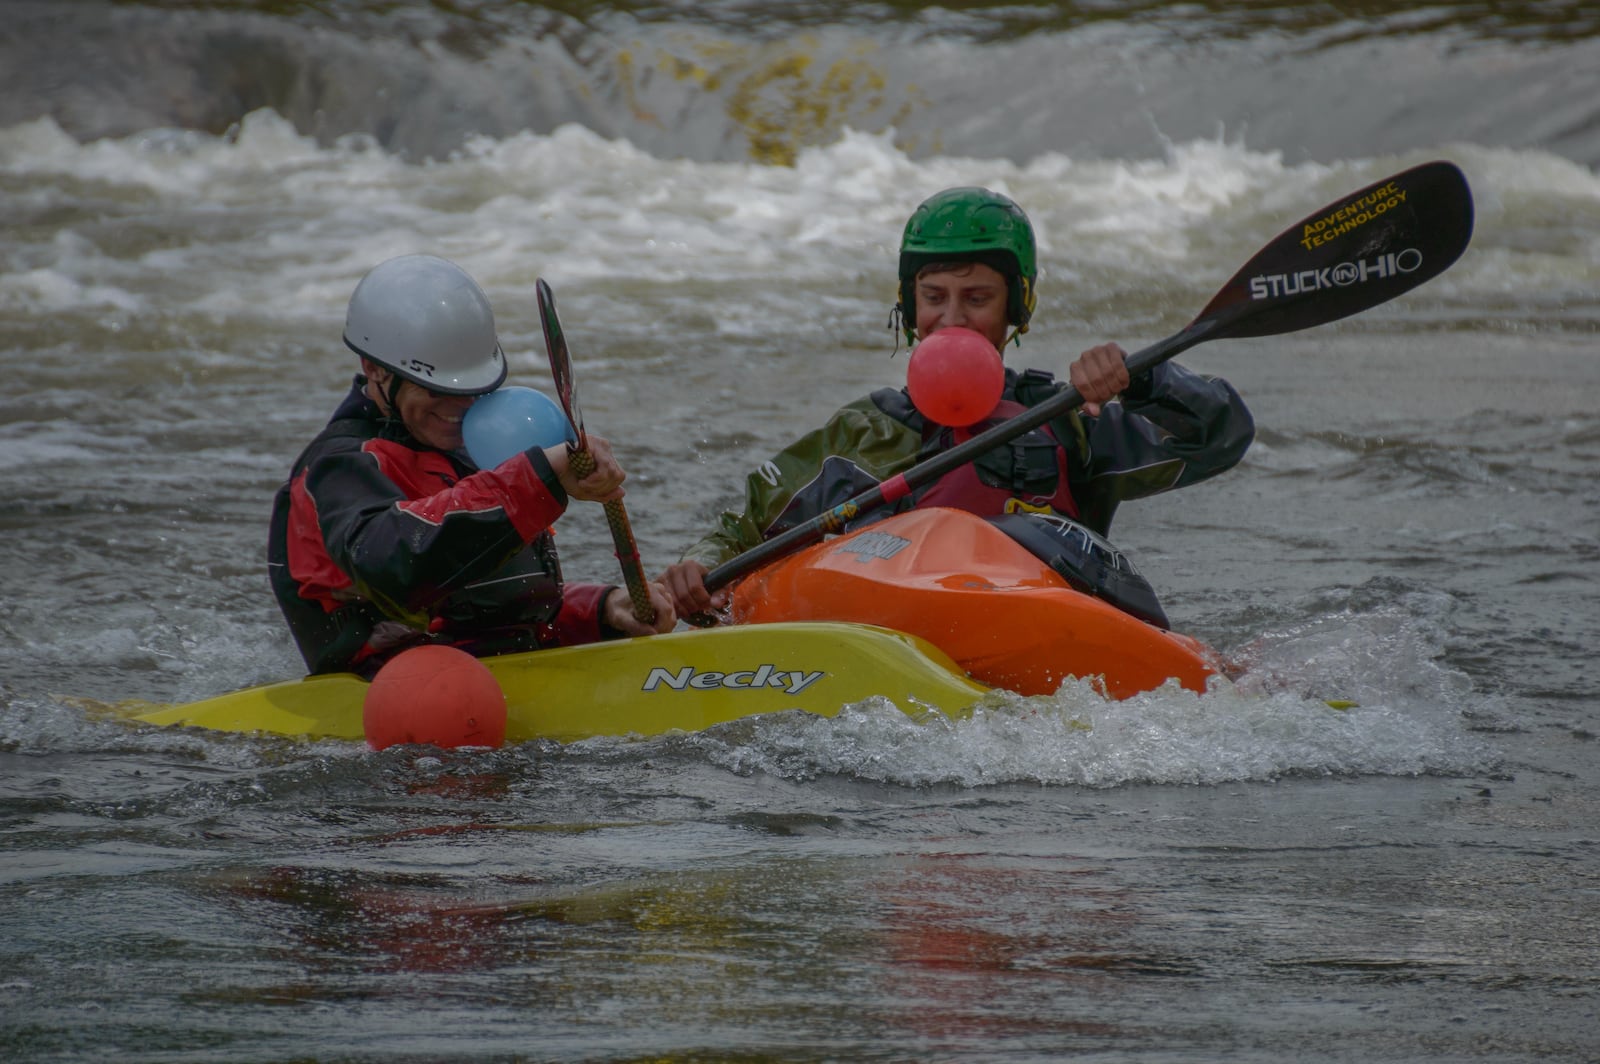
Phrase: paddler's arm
(593, 612)
(407, 554)
(1170, 428)
(857, 448)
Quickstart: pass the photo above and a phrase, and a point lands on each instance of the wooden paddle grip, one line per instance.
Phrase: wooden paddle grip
(628, 555)
(581, 463)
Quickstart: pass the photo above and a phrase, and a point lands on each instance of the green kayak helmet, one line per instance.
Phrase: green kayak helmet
(970, 224)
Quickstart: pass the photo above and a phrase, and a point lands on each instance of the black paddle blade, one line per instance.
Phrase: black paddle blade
(1350, 256)
(555, 345)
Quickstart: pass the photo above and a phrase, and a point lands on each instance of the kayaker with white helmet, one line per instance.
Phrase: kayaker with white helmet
(386, 535)
(968, 258)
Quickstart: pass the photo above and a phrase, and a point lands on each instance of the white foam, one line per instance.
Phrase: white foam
(1274, 721)
(596, 213)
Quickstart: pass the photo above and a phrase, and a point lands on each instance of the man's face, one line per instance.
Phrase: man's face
(434, 419)
(971, 295)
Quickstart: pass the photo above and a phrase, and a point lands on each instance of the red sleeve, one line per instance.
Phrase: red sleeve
(579, 619)
(523, 487)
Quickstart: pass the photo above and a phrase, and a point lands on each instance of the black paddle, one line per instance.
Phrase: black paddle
(582, 463)
(1350, 256)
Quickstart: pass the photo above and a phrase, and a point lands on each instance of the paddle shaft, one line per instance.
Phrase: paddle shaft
(581, 462)
(1350, 256)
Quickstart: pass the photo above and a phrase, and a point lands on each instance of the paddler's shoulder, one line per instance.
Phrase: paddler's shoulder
(895, 402)
(886, 414)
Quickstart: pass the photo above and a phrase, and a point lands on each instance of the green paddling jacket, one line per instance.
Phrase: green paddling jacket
(1170, 428)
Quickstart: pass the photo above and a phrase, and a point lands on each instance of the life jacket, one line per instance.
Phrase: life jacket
(1027, 474)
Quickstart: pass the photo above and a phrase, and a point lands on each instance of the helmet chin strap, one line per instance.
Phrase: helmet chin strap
(394, 400)
(391, 396)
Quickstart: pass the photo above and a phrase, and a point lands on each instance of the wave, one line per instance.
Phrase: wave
(762, 81)
(1127, 245)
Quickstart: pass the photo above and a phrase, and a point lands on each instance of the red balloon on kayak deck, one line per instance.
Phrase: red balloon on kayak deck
(955, 377)
(436, 695)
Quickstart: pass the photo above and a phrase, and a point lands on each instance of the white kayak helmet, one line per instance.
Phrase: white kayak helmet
(427, 320)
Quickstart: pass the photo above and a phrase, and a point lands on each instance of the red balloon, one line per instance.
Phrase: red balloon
(955, 377)
(436, 695)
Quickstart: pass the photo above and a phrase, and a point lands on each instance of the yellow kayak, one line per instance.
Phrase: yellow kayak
(684, 681)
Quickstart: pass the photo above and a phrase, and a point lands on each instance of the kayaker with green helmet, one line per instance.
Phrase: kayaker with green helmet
(968, 258)
(386, 534)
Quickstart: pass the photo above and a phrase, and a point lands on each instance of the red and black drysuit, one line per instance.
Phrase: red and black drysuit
(379, 542)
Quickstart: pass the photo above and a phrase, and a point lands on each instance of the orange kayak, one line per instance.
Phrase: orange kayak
(1000, 612)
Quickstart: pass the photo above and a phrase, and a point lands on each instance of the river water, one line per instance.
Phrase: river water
(189, 193)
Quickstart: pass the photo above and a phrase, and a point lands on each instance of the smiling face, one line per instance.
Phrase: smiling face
(433, 419)
(968, 294)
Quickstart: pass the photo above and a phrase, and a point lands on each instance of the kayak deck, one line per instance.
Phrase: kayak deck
(1005, 617)
(682, 681)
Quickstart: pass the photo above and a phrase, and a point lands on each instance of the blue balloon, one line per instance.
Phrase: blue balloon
(510, 420)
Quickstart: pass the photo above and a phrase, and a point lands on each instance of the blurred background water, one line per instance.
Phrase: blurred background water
(190, 192)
